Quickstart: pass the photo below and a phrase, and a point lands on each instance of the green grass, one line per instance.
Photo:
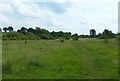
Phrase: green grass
(0, 58)
(40, 59)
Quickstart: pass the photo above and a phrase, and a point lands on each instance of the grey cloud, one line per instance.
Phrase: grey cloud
(56, 7)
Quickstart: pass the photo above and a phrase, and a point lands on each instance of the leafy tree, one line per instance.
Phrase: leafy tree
(75, 36)
(10, 28)
(24, 29)
(0, 30)
(31, 30)
(92, 33)
(53, 33)
(5, 29)
(18, 30)
(84, 36)
(44, 36)
(99, 35)
(106, 35)
(67, 35)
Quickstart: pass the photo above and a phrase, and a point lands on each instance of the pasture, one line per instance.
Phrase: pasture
(52, 59)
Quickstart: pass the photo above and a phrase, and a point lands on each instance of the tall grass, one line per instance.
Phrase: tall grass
(40, 59)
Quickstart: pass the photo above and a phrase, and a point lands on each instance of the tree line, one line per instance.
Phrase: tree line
(39, 33)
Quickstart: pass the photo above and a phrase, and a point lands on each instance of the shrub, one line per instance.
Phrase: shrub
(5, 38)
(32, 63)
(6, 67)
(25, 41)
(61, 40)
(106, 41)
(106, 38)
(44, 36)
(31, 36)
(118, 38)
(75, 38)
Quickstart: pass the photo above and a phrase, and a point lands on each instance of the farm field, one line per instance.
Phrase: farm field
(51, 59)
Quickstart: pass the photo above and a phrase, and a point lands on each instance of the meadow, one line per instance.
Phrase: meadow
(52, 59)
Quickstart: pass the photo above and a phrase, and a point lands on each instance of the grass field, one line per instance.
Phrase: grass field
(40, 59)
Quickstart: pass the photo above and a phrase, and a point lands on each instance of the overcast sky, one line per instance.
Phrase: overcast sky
(76, 16)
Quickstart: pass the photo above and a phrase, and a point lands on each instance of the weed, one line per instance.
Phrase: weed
(34, 64)
(6, 67)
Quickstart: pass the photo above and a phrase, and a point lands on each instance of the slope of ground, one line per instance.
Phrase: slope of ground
(40, 59)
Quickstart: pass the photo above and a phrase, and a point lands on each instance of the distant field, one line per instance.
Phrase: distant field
(40, 59)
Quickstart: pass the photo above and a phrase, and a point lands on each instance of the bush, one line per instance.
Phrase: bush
(44, 36)
(32, 63)
(75, 38)
(5, 37)
(61, 40)
(31, 36)
(6, 67)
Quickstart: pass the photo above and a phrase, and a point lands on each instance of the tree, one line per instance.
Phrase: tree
(92, 33)
(10, 28)
(0, 30)
(0, 34)
(67, 35)
(18, 30)
(106, 35)
(84, 36)
(44, 36)
(24, 29)
(31, 30)
(99, 35)
(75, 36)
(5, 29)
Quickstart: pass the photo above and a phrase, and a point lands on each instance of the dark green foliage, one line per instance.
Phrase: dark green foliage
(23, 29)
(10, 28)
(38, 33)
(5, 29)
(32, 63)
(6, 67)
(44, 36)
(84, 36)
(92, 33)
(99, 35)
(106, 35)
(25, 41)
(19, 36)
(4, 37)
(31, 36)
(118, 36)
(65, 35)
(106, 41)
(75, 36)
(0, 30)
(61, 39)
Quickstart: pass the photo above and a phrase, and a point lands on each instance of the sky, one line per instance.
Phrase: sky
(76, 16)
